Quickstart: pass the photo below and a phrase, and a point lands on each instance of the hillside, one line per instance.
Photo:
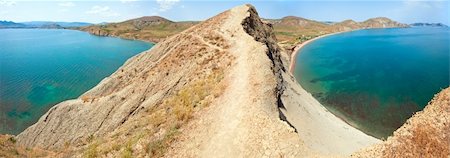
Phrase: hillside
(147, 28)
(292, 30)
(381, 22)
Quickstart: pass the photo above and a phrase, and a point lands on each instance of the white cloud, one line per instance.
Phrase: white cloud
(424, 4)
(126, 1)
(66, 4)
(165, 5)
(4, 12)
(63, 10)
(102, 11)
(7, 3)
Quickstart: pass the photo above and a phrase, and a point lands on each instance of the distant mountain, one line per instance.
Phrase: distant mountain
(428, 25)
(10, 24)
(62, 24)
(42, 24)
(347, 25)
(292, 30)
(51, 26)
(328, 22)
(381, 22)
(147, 28)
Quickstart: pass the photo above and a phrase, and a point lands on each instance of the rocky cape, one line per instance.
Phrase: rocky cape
(147, 28)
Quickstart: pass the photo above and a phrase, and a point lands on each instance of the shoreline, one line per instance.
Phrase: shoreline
(114, 36)
(320, 128)
(301, 45)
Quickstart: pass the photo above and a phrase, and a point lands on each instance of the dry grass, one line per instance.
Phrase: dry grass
(181, 107)
(162, 125)
(9, 148)
(424, 141)
(92, 151)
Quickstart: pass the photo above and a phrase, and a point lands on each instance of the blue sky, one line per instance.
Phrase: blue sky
(407, 11)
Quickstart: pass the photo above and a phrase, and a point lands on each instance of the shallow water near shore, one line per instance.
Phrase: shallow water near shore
(376, 79)
(42, 67)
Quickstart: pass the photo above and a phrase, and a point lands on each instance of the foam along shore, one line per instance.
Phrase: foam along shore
(317, 127)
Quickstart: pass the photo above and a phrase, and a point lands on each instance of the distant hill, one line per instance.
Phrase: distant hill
(381, 22)
(42, 24)
(291, 27)
(147, 28)
(62, 24)
(428, 25)
(10, 24)
(51, 26)
(292, 30)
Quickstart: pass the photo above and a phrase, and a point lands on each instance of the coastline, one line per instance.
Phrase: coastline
(317, 126)
(301, 45)
(114, 36)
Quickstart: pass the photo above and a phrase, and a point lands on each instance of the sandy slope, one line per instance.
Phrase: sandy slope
(244, 122)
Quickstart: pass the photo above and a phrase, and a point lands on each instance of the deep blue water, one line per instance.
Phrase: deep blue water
(375, 79)
(42, 67)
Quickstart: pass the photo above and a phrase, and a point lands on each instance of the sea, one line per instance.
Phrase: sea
(375, 79)
(42, 67)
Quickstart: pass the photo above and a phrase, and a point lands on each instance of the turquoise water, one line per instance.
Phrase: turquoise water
(40, 68)
(376, 79)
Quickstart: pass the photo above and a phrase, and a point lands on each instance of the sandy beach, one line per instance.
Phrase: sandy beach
(301, 45)
(321, 130)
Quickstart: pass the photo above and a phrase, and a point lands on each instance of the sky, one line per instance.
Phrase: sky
(405, 11)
